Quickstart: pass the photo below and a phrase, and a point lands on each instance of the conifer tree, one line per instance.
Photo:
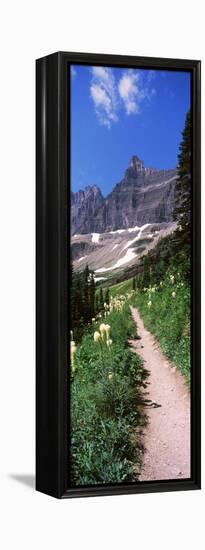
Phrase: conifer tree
(101, 300)
(92, 295)
(86, 304)
(107, 296)
(97, 307)
(146, 272)
(183, 190)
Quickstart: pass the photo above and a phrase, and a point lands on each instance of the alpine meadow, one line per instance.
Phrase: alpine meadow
(130, 343)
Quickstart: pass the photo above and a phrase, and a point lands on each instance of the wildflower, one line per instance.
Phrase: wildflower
(93, 319)
(173, 294)
(73, 349)
(102, 330)
(107, 330)
(153, 289)
(161, 283)
(97, 336)
(110, 375)
(149, 303)
(71, 335)
(172, 278)
(109, 343)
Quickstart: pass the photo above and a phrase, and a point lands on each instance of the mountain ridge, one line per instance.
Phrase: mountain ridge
(144, 195)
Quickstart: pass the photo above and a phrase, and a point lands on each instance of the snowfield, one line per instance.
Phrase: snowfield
(130, 255)
(82, 258)
(95, 237)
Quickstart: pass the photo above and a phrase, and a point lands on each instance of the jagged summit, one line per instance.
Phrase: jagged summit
(136, 163)
(137, 168)
(144, 195)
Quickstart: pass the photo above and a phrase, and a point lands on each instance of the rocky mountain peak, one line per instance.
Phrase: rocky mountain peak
(136, 163)
(144, 195)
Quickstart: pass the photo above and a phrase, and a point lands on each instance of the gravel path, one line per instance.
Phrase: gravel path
(167, 434)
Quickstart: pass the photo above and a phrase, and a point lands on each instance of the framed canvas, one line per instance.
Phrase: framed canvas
(118, 274)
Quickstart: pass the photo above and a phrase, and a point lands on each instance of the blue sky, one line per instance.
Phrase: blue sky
(117, 113)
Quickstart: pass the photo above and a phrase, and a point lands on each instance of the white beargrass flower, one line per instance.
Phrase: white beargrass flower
(172, 278)
(149, 303)
(93, 319)
(110, 375)
(73, 346)
(73, 349)
(173, 294)
(109, 343)
(97, 336)
(102, 330)
(107, 330)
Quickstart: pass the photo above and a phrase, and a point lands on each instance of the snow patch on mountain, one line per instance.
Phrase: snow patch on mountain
(130, 255)
(95, 237)
(129, 243)
(82, 258)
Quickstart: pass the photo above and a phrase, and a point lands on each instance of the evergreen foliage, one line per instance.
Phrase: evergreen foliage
(183, 191)
(101, 300)
(82, 300)
(107, 296)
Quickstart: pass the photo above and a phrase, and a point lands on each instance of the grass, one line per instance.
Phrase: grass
(165, 309)
(121, 288)
(105, 392)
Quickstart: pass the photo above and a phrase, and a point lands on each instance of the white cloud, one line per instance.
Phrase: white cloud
(73, 72)
(133, 89)
(110, 94)
(104, 95)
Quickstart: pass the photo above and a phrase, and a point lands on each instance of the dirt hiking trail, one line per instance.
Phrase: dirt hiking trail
(167, 434)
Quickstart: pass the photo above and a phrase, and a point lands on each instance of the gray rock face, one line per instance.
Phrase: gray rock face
(144, 195)
(84, 205)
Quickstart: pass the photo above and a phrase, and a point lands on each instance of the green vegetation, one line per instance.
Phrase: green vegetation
(165, 309)
(183, 193)
(121, 288)
(105, 394)
(82, 301)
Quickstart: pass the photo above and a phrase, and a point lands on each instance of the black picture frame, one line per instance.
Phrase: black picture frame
(52, 274)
